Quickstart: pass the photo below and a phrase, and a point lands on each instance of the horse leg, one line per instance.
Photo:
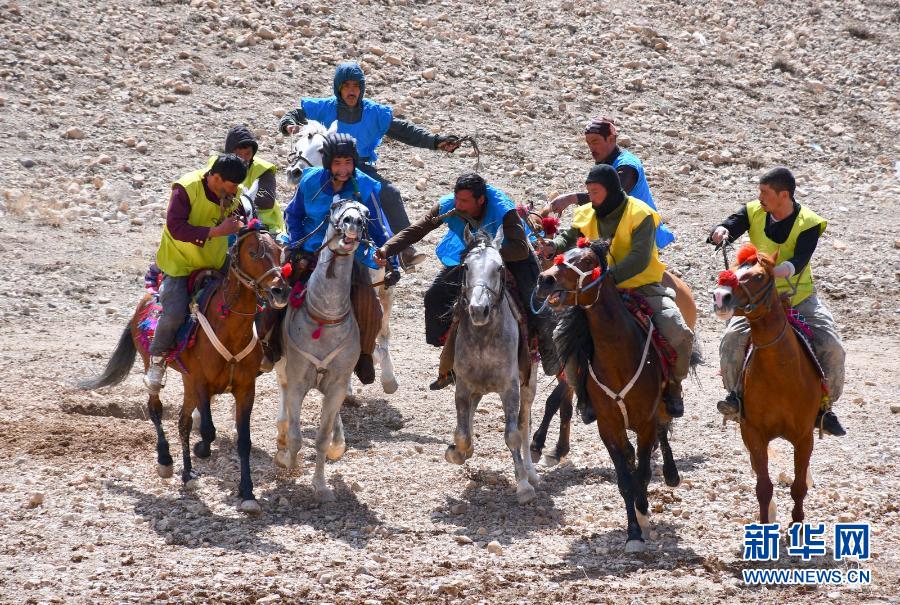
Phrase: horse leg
(462, 448)
(615, 445)
(511, 412)
(338, 445)
(551, 406)
(207, 428)
(388, 380)
(243, 399)
(565, 425)
(282, 421)
(802, 453)
(331, 407)
(163, 457)
(646, 442)
(188, 476)
(290, 439)
(759, 459)
(670, 471)
(526, 399)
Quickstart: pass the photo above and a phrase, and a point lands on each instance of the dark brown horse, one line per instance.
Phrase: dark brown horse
(604, 338)
(782, 387)
(224, 359)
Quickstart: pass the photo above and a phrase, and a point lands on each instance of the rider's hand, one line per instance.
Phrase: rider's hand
(391, 278)
(548, 249)
(783, 270)
(448, 143)
(293, 128)
(557, 204)
(534, 222)
(380, 256)
(718, 235)
(229, 226)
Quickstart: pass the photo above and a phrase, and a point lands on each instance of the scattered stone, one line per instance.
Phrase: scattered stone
(265, 33)
(27, 162)
(421, 184)
(429, 74)
(459, 508)
(142, 147)
(34, 500)
(494, 548)
(393, 60)
(182, 88)
(74, 133)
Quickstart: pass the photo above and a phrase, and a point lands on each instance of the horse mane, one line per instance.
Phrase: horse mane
(572, 338)
(480, 237)
(600, 248)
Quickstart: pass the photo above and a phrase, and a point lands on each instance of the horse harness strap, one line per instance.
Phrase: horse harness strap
(232, 360)
(619, 397)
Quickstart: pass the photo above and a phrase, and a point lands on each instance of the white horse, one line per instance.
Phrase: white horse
(487, 361)
(306, 152)
(321, 345)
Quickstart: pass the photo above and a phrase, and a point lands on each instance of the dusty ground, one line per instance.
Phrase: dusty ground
(101, 107)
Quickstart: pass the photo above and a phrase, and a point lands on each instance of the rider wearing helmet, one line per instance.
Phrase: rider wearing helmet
(341, 178)
(368, 122)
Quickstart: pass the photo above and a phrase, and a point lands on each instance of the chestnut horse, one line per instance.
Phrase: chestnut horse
(254, 271)
(782, 386)
(617, 354)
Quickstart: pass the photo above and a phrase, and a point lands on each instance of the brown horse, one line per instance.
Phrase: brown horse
(617, 356)
(560, 399)
(224, 359)
(782, 387)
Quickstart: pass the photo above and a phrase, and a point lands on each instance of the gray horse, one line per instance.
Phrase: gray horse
(487, 360)
(321, 339)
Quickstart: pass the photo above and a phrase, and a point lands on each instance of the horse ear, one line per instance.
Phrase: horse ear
(332, 128)
(467, 237)
(498, 239)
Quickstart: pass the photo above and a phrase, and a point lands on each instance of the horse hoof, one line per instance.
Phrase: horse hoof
(250, 507)
(633, 546)
(325, 495)
(389, 386)
(453, 456)
(673, 482)
(533, 478)
(335, 452)
(202, 449)
(551, 460)
(192, 484)
(525, 493)
(535, 455)
(351, 401)
(164, 470)
(282, 459)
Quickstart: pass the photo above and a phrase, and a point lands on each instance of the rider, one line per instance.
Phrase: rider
(241, 142)
(368, 122)
(777, 223)
(198, 222)
(630, 224)
(601, 137)
(341, 178)
(480, 206)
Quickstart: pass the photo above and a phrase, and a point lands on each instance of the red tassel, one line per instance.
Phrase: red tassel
(550, 225)
(595, 274)
(223, 311)
(728, 279)
(584, 242)
(317, 333)
(254, 224)
(747, 254)
(521, 210)
(286, 270)
(559, 259)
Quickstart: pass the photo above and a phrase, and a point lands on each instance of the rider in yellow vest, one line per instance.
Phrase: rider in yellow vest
(198, 224)
(634, 263)
(777, 223)
(241, 142)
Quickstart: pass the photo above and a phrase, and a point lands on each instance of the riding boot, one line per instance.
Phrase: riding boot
(730, 407)
(829, 423)
(446, 377)
(155, 378)
(409, 258)
(268, 323)
(368, 313)
(672, 398)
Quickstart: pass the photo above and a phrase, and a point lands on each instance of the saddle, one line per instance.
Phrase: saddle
(201, 284)
(640, 309)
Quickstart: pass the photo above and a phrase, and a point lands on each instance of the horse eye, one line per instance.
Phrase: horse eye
(759, 277)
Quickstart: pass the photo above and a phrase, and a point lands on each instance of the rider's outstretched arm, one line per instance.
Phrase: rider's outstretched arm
(414, 233)
(737, 224)
(291, 118)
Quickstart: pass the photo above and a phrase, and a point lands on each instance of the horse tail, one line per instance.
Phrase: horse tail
(118, 366)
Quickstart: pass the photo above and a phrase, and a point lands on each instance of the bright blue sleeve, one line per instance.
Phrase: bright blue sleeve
(379, 230)
(294, 215)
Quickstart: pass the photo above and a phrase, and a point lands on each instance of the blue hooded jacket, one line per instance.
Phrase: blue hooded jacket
(372, 126)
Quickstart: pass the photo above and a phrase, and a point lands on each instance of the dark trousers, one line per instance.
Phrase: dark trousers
(391, 201)
(174, 299)
(440, 299)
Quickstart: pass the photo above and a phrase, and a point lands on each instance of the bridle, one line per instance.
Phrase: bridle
(297, 156)
(246, 280)
(754, 302)
(575, 292)
(337, 221)
(496, 296)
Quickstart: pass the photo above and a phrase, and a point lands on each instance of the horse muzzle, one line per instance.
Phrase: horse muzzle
(278, 296)
(723, 303)
(479, 313)
(294, 173)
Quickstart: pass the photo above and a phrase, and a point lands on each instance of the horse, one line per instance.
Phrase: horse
(560, 399)
(224, 358)
(617, 353)
(487, 360)
(321, 345)
(306, 152)
(782, 386)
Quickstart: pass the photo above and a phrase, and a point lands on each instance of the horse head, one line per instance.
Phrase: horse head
(483, 277)
(255, 260)
(306, 150)
(347, 226)
(573, 274)
(749, 285)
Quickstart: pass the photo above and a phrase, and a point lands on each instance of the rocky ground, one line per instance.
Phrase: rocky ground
(101, 107)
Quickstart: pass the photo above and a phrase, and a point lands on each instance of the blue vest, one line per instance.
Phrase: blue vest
(368, 132)
(641, 191)
(496, 205)
(317, 204)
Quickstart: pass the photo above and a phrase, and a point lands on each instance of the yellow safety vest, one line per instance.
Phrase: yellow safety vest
(800, 286)
(635, 212)
(272, 218)
(177, 258)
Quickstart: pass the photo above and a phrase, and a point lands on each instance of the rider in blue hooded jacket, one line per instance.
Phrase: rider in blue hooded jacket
(368, 122)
